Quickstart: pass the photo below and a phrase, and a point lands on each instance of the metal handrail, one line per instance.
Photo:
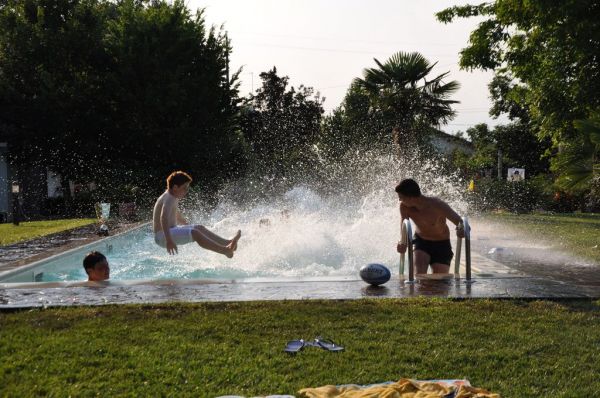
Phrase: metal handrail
(406, 238)
(467, 229)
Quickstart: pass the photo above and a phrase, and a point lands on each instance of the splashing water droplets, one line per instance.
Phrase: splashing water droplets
(314, 228)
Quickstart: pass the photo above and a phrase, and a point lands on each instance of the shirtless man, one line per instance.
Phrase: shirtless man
(432, 236)
(172, 229)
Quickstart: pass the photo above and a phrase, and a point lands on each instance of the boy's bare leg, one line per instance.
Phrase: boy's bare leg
(217, 238)
(209, 244)
(211, 235)
(421, 261)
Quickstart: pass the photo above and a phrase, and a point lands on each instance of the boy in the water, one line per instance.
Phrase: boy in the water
(96, 267)
(172, 229)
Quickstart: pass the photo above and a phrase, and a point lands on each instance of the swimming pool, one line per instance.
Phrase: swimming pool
(313, 238)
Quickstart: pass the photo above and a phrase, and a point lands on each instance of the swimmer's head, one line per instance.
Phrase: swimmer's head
(96, 266)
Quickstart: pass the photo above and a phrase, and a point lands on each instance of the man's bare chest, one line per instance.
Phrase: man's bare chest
(425, 218)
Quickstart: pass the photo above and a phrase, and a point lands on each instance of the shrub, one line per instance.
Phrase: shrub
(514, 196)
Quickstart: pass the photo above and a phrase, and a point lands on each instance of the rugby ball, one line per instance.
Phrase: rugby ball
(375, 274)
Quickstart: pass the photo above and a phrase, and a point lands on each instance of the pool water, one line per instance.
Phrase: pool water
(307, 236)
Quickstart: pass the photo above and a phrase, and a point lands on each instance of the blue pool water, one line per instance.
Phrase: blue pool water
(314, 237)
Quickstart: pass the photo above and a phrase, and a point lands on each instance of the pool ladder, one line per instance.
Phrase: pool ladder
(406, 237)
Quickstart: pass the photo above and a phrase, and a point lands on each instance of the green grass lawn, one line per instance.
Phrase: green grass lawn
(10, 233)
(577, 233)
(515, 348)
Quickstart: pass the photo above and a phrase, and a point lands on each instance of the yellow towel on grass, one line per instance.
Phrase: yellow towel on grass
(404, 388)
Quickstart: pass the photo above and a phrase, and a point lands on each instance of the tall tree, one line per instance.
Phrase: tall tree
(281, 124)
(519, 148)
(116, 91)
(51, 78)
(403, 92)
(354, 126)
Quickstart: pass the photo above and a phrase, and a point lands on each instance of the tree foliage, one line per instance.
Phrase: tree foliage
(124, 90)
(519, 147)
(281, 124)
(354, 125)
(402, 91)
(581, 159)
(544, 56)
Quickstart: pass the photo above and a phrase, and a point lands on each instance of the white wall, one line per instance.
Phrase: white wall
(447, 145)
(54, 185)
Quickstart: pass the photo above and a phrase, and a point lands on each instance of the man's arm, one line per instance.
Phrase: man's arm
(167, 206)
(455, 218)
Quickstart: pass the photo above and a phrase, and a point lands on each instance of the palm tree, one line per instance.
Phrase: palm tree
(399, 88)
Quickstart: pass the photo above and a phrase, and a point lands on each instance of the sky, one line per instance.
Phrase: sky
(326, 44)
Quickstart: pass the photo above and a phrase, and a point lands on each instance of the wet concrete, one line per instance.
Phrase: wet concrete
(22, 251)
(537, 257)
(86, 293)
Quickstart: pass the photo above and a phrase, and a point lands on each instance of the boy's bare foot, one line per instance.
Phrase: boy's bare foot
(228, 252)
(234, 241)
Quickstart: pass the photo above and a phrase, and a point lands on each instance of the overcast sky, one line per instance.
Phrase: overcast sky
(326, 44)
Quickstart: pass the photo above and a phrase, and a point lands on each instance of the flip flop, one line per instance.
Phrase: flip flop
(327, 344)
(294, 346)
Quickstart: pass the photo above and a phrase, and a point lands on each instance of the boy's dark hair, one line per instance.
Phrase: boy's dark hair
(178, 178)
(408, 187)
(92, 258)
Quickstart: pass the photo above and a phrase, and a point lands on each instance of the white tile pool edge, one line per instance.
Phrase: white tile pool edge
(27, 267)
(176, 282)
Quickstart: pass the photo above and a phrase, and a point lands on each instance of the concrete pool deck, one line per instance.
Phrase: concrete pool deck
(490, 280)
(169, 291)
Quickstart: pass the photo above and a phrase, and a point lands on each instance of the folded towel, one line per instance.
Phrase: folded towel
(404, 388)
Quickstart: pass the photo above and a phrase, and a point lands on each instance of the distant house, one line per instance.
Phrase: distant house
(36, 186)
(447, 144)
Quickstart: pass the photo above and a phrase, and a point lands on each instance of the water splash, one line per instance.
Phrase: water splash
(326, 223)
(326, 227)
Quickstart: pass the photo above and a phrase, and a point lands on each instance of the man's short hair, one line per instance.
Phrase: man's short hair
(178, 178)
(92, 258)
(408, 187)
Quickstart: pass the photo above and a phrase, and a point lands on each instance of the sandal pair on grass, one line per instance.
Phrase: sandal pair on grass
(295, 346)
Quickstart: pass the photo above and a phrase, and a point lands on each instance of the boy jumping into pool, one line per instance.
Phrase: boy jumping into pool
(172, 229)
(432, 236)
